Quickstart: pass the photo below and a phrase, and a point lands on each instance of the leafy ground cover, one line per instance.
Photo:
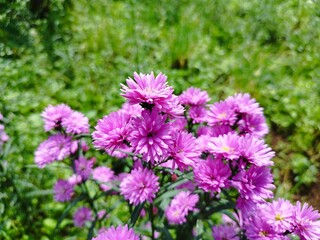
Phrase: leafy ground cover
(78, 53)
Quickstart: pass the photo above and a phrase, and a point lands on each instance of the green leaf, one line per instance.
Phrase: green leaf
(135, 214)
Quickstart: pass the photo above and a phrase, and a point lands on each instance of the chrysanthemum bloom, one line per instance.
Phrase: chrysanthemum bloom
(223, 232)
(83, 167)
(178, 124)
(243, 103)
(256, 151)
(221, 113)
(145, 88)
(180, 206)
(81, 216)
(198, 114)
(194, 96)
(212, 175)
(112, 131)
(119, 233)
(75, 123)
(254, 184)
(151, 136)
(131, 110)
(184, 150)
(74, 179)
(306, 222)
(63, 191)
(53, 116)
(103, 175)
(254, 124)
(56, 147)
(139, 186)
(226, 146)
(279, 214)
(219, 130)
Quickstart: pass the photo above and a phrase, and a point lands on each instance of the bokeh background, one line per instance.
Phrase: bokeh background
(78, 53)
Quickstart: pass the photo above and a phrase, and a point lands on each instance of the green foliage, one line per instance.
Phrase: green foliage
(78, 52)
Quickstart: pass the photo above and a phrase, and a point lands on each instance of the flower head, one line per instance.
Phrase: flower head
(139, 186)
(226, 146)
(243, 103)
(83, 167)
(53, 116)
(254, 124)
(103, 175)
(75, 123)
(194, 96)
(63, 191)
(198, 114)
(221, 113)
(180, 206)
(81, 216)
(119, 233)
(223, 232)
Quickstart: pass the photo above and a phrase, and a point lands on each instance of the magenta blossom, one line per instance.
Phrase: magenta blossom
(180, 206)
(75, 123)
(104, 176)
(224, 232)
(194, 96)
(54, 115)
(221, 113)
(243, 103)
(119, 233)
(254, 124)
(83, 167)
(63, 191)
(151, 136)
(139, 186)
(226, 146)
(198, 114)
(81, 216)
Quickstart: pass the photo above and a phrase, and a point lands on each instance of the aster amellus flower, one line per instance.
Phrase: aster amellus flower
(221, 113)
(104, 176)
(194, 97)
(140, 185)
(183, 203)
(63, 191)
(254, 124)
(75, 123)
(118, 233)
(53, 116)
(81, 216)
(212, 175)
(112, 132)
(223, 232)
(151, 136)
(83, 167)
(57, 147)
(243, 103)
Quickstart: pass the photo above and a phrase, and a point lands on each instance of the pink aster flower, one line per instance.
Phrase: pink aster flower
(221, 113)
(306, 222)
(103, 175)
(256, 151)
(112, 132)
(151, 136)
(53, 116)
(139, 186)
(243, 103)
(119, 233)
(184, 150)
(223, 232)
(279, 214)
(180, 206)
(172, 107)
(226, 146)
(83, 167)
(254, 124)
(131, 110)
(178, 124)
(81, 216)
(147, 89)
(63, 191)
(56, 147)
(194, 96)
(212, 175)
(256, 228)
(74, 179)
(254, 184)
(198, 114)
(75, 123)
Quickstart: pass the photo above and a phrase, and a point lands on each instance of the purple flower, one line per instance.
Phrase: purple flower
(221, 113)
(151, 136)
(306, 222)
(139, 186)
(198, 114)
(179, 207)
(103, 175)
(184, 150)
(243, 103)
(254, 184)
(84, 167)
(81, 216)
(75, 123)
(178, 124)
(256, 151)
(224, 232)
(112, 132)
(254, 124)
(131, 110)
(56, 147)
(226, 146)
(212, 175)
(279, 214)
(53, 116)
(256, 228)
(119, 233)
(145, 88)
(194, 96)
(63, 191)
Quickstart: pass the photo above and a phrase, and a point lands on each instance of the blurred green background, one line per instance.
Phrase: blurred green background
(78, 53)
